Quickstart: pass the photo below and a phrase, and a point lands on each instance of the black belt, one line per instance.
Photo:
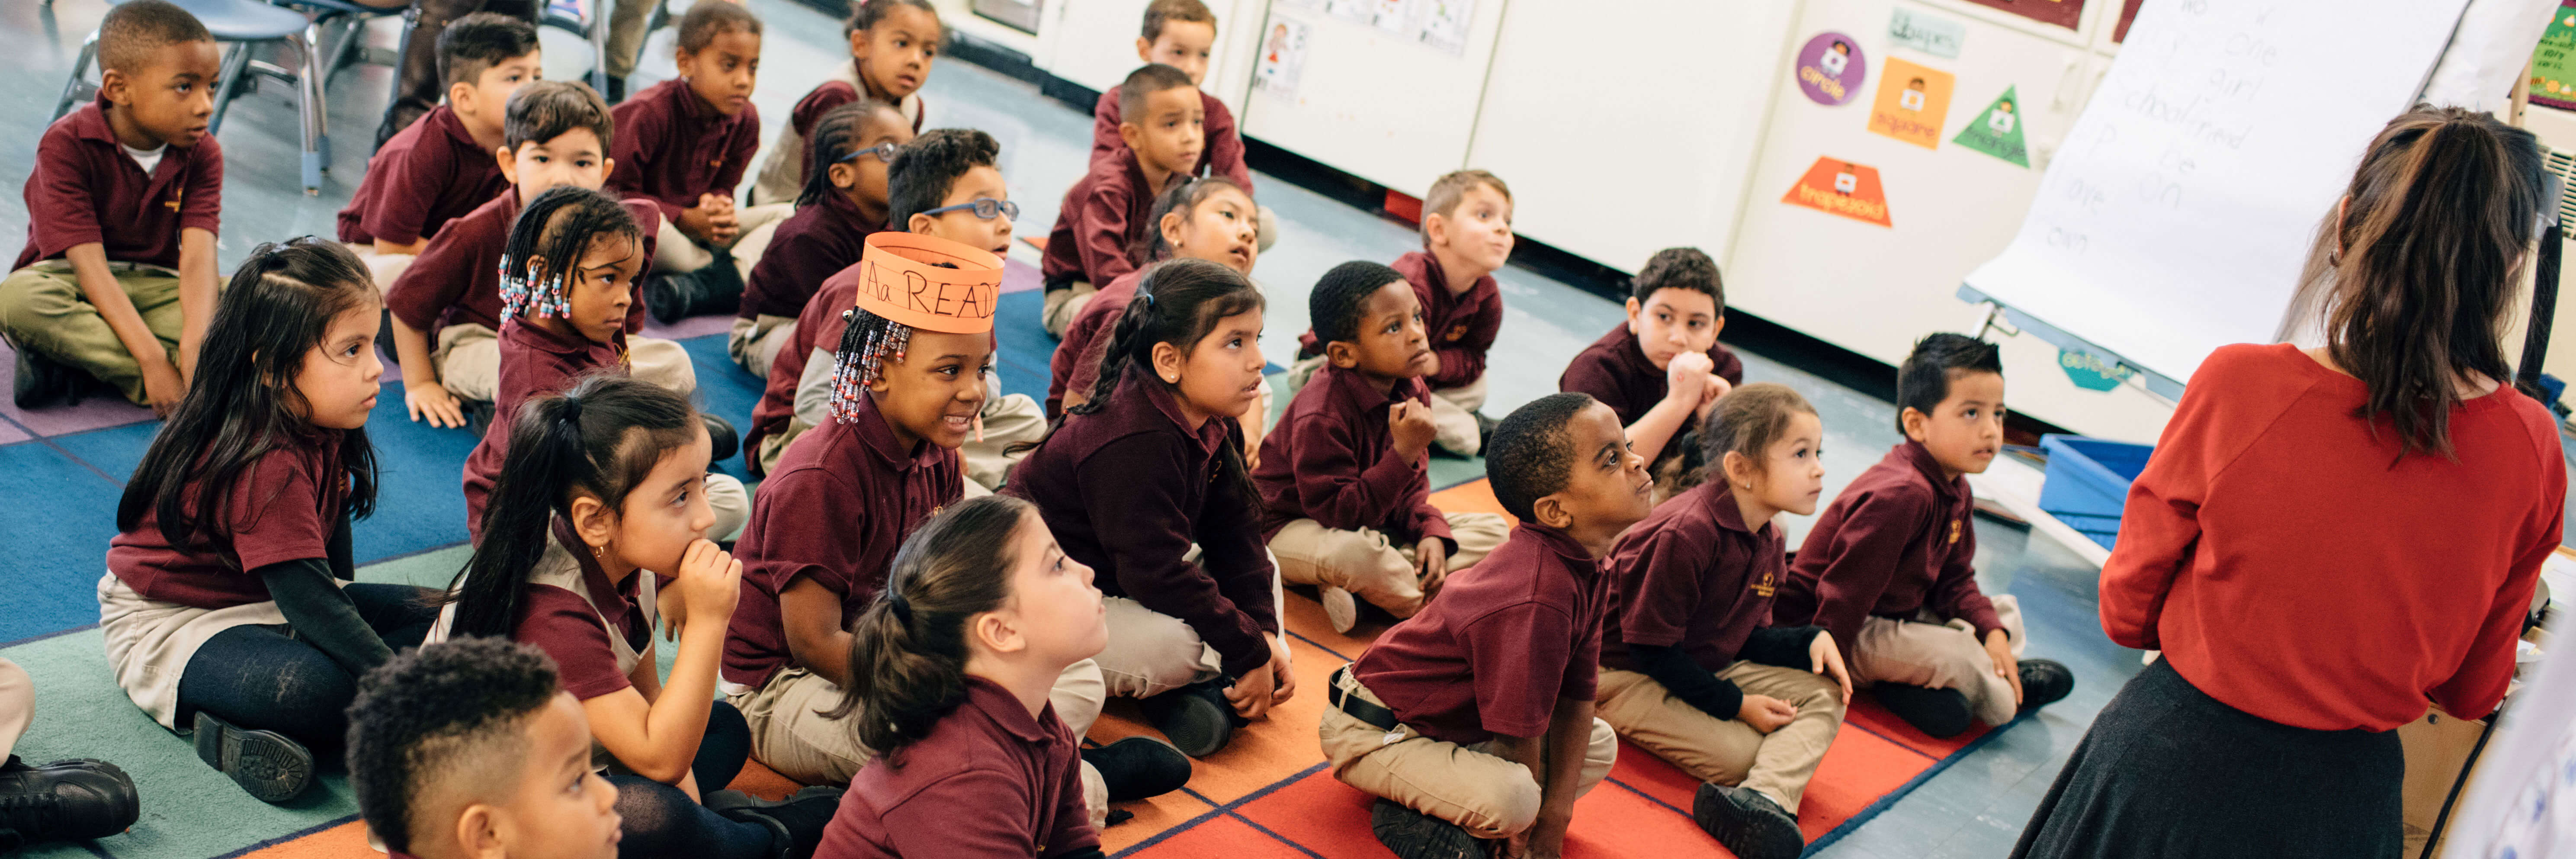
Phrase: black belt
(1359, 708)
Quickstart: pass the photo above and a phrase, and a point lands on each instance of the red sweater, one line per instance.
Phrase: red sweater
(2287, 568)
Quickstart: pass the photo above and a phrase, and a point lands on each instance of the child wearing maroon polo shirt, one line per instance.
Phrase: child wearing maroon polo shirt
(441, 167)
(567, 287)
(1344, 479)
(893, 44)
(1662, 368)
(118, 275)
(226, 606)
(1888, 569)
(1132, 480)
(447, 305)
(980, 614)
(1107, 213)
(1209, 219)
(1181, 34)
(686, 145)
(1691, 668)
(844, 200)
(1473, 721)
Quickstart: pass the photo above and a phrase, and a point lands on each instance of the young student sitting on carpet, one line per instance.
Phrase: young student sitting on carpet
(1181, 34)
(981, 613)
(1106, 214)
(1466, 236)
(1145, 483)
(893, 44)
(447, 305)
(1344, 479)
(603, 497)
(844, 201)
(1888, 572)
(441, 167)
(943, 184)
(1691, 668)
(226, 599)
(907, 383)
(686, 145)
(1662, 368)
(118, 275)
(1473, 721)
(468, 750)
(1209, 219)
(567, 289)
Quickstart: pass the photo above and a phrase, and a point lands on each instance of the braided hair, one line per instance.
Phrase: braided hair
(836, 135)
(1183, 197)
(553, 233)
(867, 340)
(1177, 302)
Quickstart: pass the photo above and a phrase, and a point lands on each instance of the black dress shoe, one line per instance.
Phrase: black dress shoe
(1411, 834)
(795, 824)
(43, 381)
(616, 90)
(668, 295)
(2044, 682)
(479, 415)
(1941, 713)
(721, 437)
(1747, 822)
(1196, 718)
(63, 801)
(271, 766)
(1139, 768)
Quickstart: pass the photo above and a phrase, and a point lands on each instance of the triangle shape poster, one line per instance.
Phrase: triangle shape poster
(1997, 131)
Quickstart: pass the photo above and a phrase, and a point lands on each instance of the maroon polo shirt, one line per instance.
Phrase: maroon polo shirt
(1127, 489)
(818, 326)
(815, 243)
(1691, 576)
(1462, 326)
(1076, 365)
(84, 189)
(568, 626)
(1332, 459)
(1020, 777)
(1615, 371)
(283, 508)
(1222, 156)
(1896, 541)
(672, 146)
(1104, 215)
(533, 361)
(1506, 639)
(429, 173)
(840, 503)
(831, 94)
(457, 279)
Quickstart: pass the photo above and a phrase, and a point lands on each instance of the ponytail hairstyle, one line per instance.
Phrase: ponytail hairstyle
(836, 135)
(554, 232)
(2415, 271)
(243, 402)
(1747, 421)
(599, 439)
(1183, 197)
(908, 650)
(1177, 302)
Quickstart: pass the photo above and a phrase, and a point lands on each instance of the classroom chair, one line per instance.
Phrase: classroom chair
(248, 24)
(589, 19)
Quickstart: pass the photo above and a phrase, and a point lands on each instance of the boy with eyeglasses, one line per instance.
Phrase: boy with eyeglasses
(844, 201)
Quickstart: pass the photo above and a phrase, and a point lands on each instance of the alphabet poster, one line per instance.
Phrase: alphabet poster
(1997, 131)
(1913, 103)
(1838, 187)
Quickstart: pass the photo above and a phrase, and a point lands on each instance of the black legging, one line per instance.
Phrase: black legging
(263, 678)
(661, 821)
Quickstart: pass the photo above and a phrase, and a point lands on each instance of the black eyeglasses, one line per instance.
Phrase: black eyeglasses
(883, 151)
(986, 208)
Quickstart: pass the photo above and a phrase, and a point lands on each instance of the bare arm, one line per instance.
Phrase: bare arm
(196, 294)
(812, 615)
(162, 384)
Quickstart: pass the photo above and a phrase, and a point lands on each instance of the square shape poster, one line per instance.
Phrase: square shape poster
(1913, 103)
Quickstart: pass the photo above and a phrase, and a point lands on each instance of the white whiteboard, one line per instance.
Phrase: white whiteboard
(2177, 217)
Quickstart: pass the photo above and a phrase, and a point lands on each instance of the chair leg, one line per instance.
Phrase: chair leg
(309, 106)
(599, 16)
(314, 79)
(236, 64)
(80, 70)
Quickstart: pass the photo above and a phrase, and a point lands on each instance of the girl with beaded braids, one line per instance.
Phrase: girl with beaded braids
(568, 277)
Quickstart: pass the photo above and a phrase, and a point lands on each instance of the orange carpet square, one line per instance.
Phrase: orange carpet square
(1866, 713)
(1224, 836)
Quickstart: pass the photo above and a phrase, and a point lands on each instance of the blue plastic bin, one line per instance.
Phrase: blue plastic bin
(2088, 482)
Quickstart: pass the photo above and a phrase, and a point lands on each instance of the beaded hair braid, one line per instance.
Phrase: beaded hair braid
(553, 232)
(859, 362)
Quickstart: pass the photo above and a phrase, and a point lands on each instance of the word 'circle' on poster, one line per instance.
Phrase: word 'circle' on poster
(1831, 68)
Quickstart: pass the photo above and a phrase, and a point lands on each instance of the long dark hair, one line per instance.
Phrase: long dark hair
(555, 231)
(1177, 302)
(1184, 197)
(835, 136)
(600, 439)
(243, 403)
(908, 650)
(2416, 273)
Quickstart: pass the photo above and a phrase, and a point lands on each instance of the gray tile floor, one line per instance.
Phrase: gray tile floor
(1974, 808)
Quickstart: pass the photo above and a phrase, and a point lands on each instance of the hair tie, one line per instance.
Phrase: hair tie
(572, 411)
(1149, 299)
(902, 607)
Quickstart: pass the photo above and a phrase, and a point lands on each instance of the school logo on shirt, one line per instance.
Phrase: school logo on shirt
(1764, 587)
(1457, 333)
(174, 199)
(1954, 532)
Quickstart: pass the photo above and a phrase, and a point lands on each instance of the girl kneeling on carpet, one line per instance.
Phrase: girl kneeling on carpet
(602, 498)
(226, 606)
(958, 655)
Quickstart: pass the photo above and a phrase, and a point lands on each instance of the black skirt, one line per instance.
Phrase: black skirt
(2167, 771)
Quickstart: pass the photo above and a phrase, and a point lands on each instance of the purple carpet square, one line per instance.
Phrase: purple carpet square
(94, 413)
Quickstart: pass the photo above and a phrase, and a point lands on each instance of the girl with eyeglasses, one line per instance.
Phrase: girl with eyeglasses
(844, 200)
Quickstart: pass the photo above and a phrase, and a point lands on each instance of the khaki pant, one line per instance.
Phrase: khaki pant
(42, 309)
(1372, 567)
(789, 733)
(773, 447)
(1150, 653)
(1467, 785)
(731, 503)
(674, 251)
(383, 267)
(1940, 654)
(17, 705)
(468, 361)
(1008, 420)
(626, 33)
(754, 343)
(1062, 305)
(1726, 751)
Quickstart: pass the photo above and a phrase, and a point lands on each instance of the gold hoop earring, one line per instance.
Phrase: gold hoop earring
(598, 552)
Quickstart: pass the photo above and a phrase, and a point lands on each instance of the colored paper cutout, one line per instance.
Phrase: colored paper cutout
(1838, 187)
(1913, 103)
(1997, 131)
(929, 283)
(1831, 68)
(1283, 57)
(2092, 373)
(1930, 34)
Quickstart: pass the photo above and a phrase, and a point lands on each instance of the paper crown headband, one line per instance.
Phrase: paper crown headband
(929, 283)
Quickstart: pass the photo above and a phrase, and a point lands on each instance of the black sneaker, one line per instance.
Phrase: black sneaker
(43, 381)
(2044, 682)
(70, 800)
(1747, 823)
(721, 437)
(1411, 834)
(669, 295)
(1941, 713)
(478, 415)
(269, 765)
(616, 90)
(1139, 768)
(1196, 718)
(795, 824)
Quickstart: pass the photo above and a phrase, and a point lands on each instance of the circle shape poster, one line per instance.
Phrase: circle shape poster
(1831, 68)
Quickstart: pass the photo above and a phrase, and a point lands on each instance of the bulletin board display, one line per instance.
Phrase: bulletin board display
(1386, 90)
(2553, 63)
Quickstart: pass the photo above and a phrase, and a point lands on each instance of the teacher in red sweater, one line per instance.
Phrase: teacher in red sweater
(2328, 540)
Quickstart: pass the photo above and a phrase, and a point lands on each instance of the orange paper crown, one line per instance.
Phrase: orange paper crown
(929, 283)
